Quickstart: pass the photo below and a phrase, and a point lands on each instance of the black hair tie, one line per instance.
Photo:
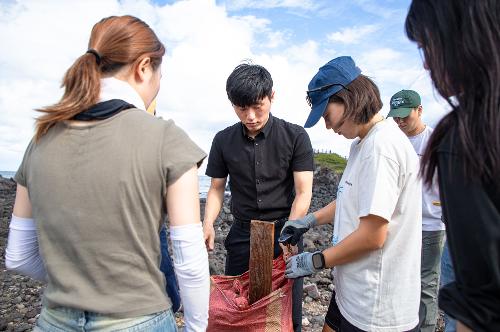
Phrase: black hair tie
(97, 56)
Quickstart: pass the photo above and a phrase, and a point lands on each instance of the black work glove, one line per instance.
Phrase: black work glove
(293, 229)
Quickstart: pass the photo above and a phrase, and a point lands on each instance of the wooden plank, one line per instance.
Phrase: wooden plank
(261, 259)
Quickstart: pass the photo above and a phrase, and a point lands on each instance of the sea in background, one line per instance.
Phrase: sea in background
(7, 174)
(203, 184)
(203, 180)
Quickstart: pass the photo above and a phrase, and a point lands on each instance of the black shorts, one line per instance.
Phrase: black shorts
(336, 321)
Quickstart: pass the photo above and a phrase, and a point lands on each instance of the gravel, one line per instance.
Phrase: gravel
(20, 296)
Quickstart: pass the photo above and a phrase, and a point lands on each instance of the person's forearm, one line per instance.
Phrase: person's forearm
(192, 271)
(326, 214)
(356, 245)
(300, 205)
(215, 198)
(22, 253)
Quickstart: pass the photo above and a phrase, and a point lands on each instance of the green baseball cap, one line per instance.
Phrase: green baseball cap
(403, 102)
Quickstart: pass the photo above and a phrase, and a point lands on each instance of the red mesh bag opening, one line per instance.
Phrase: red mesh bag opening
(230, 311)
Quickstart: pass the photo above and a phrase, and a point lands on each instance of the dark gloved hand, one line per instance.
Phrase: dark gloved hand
(300, 265)
(293, 229)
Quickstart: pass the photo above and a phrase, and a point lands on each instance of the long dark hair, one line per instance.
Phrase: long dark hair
(460, 40)
(118, 41)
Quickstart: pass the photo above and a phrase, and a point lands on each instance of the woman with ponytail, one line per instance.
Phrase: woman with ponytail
(93, 189)
(460, 40)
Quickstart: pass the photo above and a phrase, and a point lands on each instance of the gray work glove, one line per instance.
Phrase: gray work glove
(300, 265)
(294, 229)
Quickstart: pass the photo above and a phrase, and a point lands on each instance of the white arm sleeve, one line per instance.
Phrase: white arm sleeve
(191, 268)
(22, 255)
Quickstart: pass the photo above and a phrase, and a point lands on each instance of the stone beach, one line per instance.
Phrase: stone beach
(20, 296)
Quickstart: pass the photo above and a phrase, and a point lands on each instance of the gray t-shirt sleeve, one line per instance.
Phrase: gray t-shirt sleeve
(21, 176)
(179, 152)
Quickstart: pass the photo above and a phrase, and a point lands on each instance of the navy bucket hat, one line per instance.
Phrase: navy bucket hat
(329, 80)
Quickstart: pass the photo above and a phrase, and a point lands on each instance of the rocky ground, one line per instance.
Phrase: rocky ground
(20, 296)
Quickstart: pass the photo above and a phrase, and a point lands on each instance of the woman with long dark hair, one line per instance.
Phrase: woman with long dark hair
(460, 41)
(93, 189)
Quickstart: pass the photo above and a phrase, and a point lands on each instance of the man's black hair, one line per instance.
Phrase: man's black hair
(248, 84)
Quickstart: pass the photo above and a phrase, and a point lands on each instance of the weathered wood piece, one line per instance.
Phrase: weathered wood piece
(261, 259)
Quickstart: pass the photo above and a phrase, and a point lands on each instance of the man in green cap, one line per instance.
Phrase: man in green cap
(406, 110)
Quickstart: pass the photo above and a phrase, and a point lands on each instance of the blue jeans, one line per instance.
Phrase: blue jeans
(69, 320)
(447, 276)
(167, 268)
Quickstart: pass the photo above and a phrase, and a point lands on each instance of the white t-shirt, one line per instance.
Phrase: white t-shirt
(431, 214)
(381, 291)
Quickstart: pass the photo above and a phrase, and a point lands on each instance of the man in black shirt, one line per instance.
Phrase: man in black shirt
(269, 162)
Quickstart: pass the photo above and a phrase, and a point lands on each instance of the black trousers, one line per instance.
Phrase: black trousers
(237, 244)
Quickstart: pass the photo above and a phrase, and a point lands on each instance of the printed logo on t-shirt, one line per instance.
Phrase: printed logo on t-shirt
(347, 182)
(339, 190)
(335, 239)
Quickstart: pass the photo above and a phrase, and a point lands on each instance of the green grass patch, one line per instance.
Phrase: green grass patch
(331, 160)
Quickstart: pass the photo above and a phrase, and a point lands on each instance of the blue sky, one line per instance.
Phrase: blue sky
(205, 40)
(311, 19)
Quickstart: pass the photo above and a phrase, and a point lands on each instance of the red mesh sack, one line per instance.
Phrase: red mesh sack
(230, 311)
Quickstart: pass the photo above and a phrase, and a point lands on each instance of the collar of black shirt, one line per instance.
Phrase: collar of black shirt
(264, 131)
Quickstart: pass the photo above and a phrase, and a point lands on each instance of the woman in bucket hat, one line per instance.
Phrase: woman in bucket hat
(377, 213)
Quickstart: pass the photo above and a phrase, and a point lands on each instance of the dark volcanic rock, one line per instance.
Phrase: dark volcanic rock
(20, 296)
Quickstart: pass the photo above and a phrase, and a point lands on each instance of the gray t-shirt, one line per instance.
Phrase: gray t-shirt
(98, 198)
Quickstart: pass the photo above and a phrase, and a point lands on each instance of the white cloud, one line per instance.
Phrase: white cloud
(374, 7)
(204, 41)
(393, 71)
(276, 39)
(203, 45)
(259, 4)
(352, 35)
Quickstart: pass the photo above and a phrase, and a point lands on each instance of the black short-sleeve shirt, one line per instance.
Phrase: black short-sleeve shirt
(261, 170)
(471, 211)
